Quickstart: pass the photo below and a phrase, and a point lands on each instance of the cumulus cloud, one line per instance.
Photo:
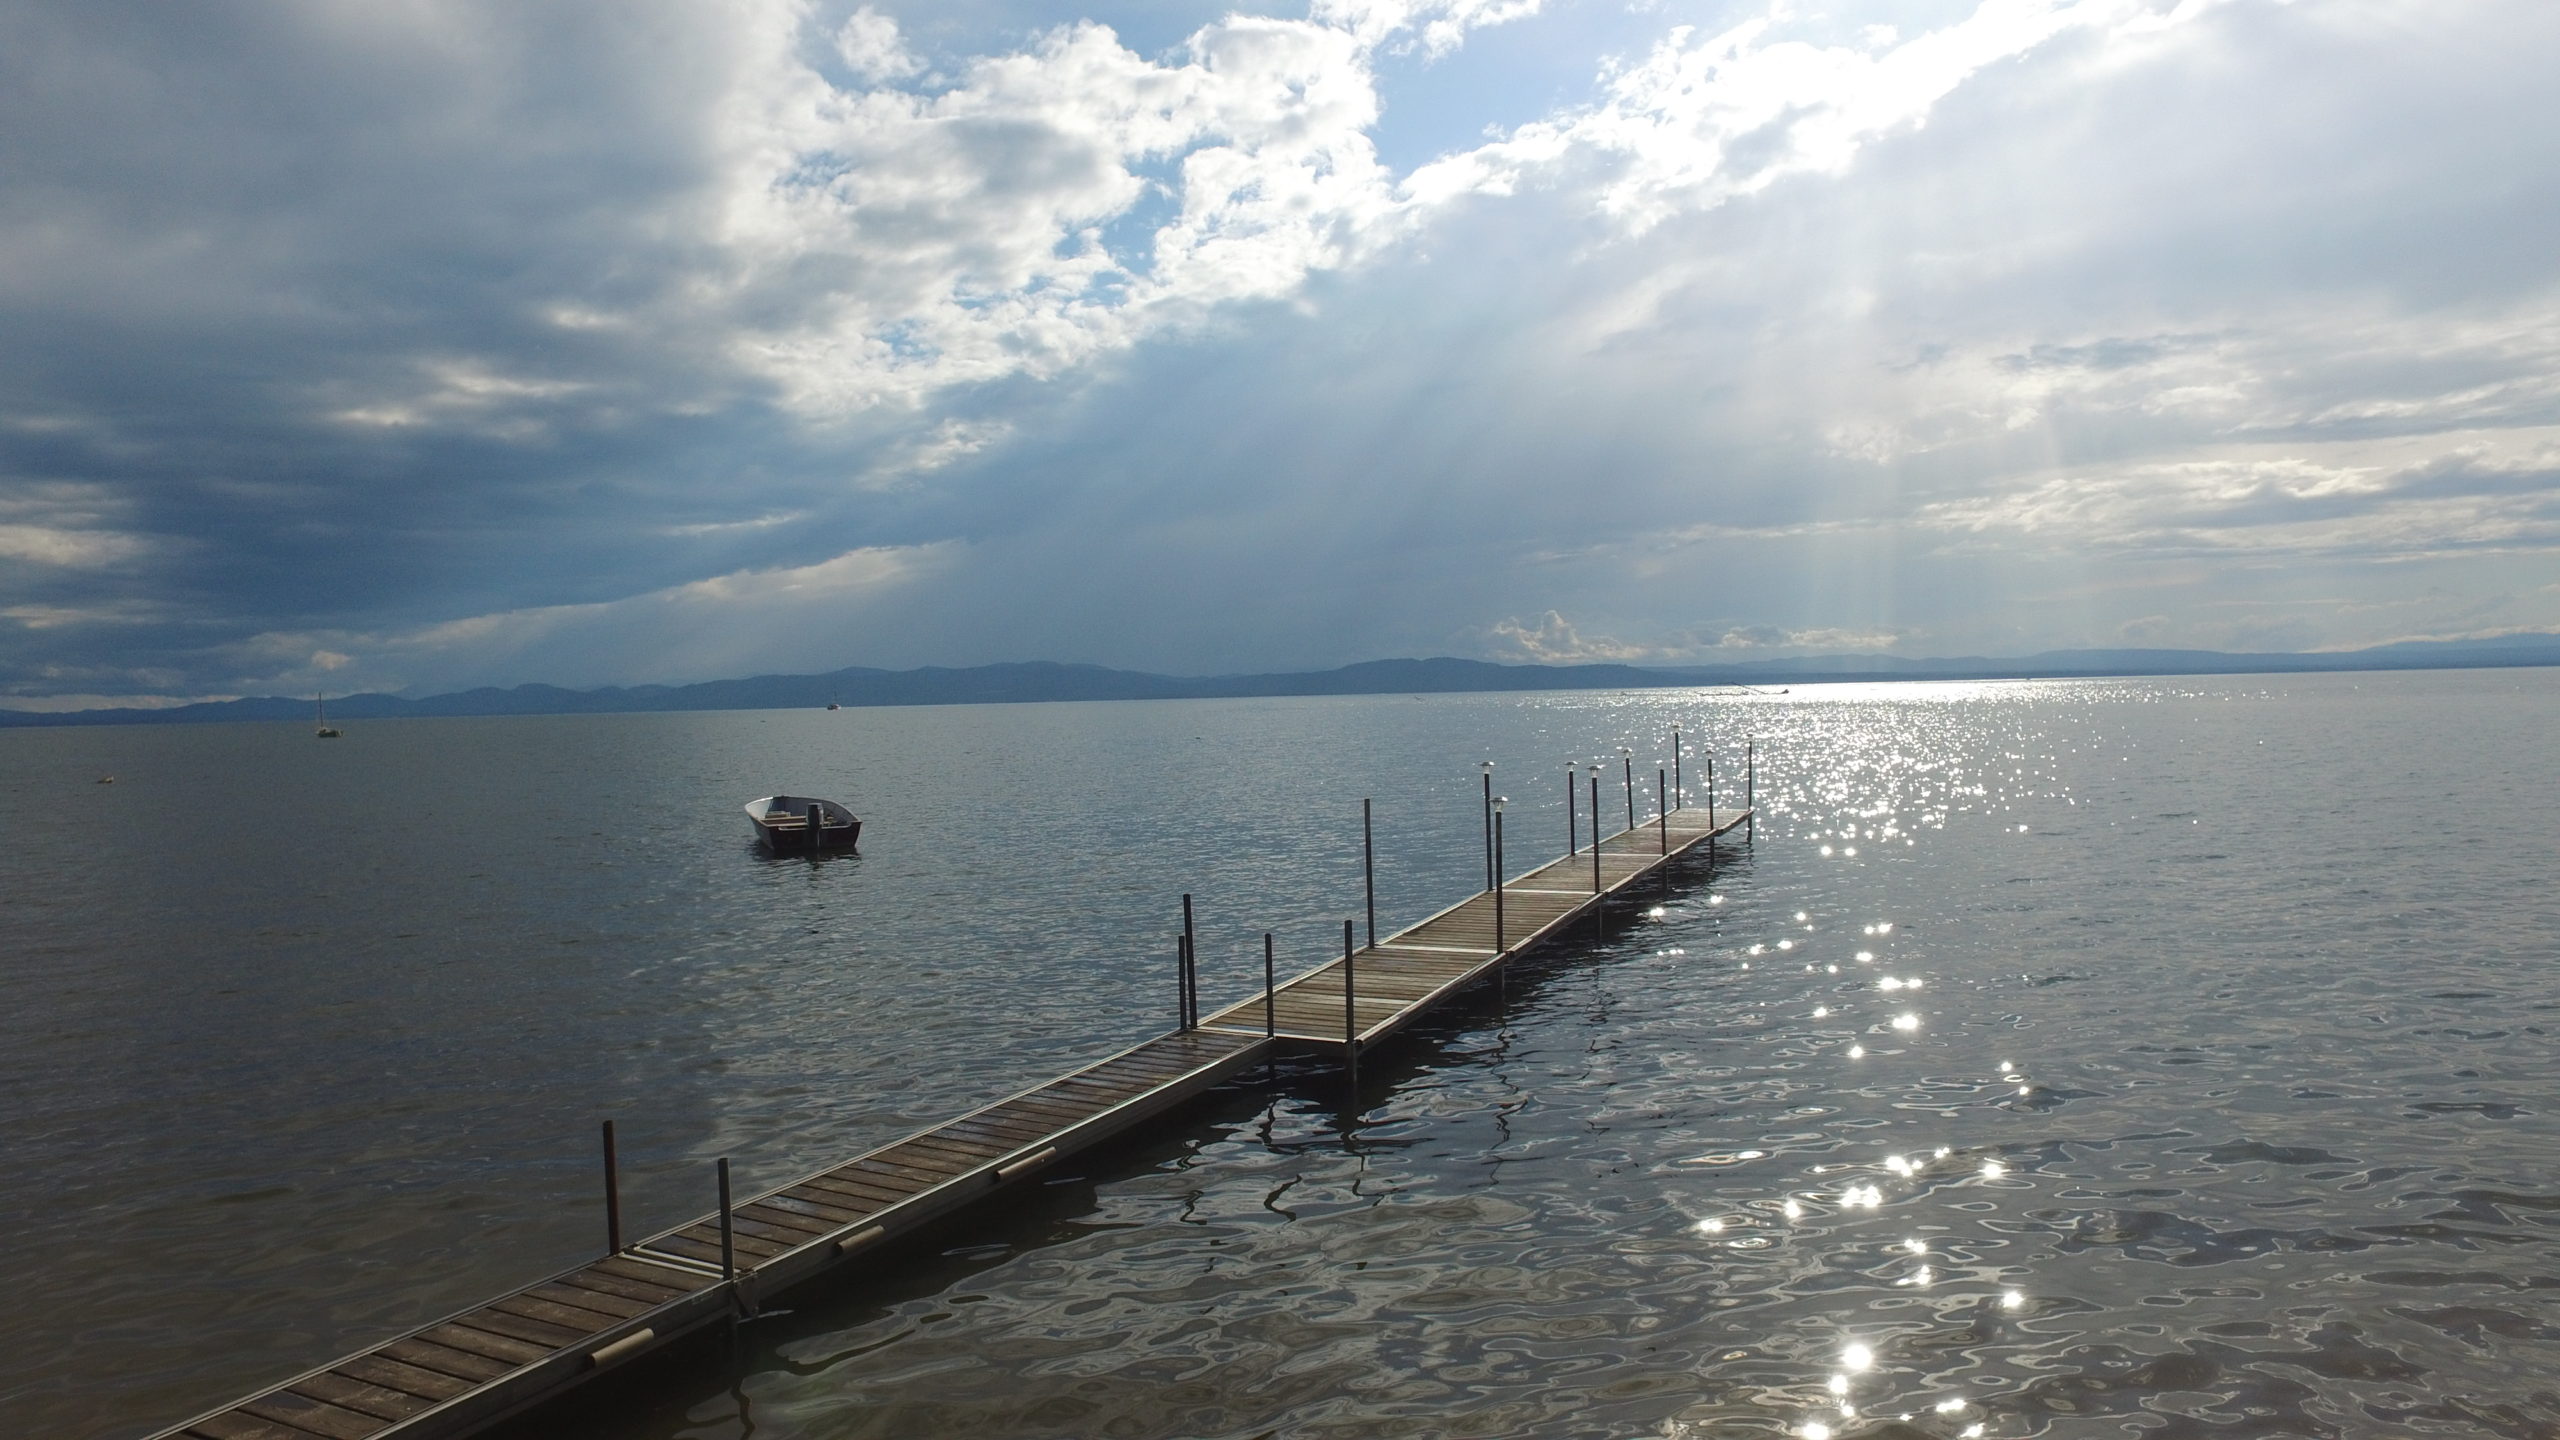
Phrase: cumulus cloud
(884, 244)
(871, 48)
(1550, 639)
(2443, 495)
(1436, 26)
(1706, 118)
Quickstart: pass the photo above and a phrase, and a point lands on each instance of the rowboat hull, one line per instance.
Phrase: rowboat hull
(781, 824)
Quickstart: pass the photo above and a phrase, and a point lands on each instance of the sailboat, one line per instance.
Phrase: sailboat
(326, 731)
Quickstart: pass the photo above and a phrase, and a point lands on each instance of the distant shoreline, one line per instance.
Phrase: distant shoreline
(1045, 681)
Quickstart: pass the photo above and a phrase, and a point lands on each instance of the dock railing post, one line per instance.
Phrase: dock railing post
(612, 1195)
(1190, 968)
(1572, 822)
(1595, 827)
(1711, 789)
(728, 1241)
(1750, 787)
(1627, 761)
(1487, 767)
(1350, 1016)
(1677, 787)
(1181, 984)
(1369, 871)
(1270, 989)
(817, 828)
(1497, 872)
(1662, 784)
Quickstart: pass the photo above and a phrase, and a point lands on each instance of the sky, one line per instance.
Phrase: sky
(424, 344)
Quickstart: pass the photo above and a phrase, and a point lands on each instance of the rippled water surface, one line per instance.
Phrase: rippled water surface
(2094, 1058)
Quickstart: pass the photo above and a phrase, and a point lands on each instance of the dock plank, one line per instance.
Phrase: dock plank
(703, 1236)
(632, 1278)
(1006, 1128)
(858, 1196)
(393, 1374)
(920, 1177)
(968, 1152)
(929, 1152)
(744, 1225)
(602, 1302)
(854, 1180)
(544, 1336)
(234, 1425)
(488, 1343)
(701, 1252)
(362, 1396)
(316, 1416)
(446, 1360)
(835, 1216)
(783, 1218)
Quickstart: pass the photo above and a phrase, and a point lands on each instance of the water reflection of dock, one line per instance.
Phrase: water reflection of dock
(471, 1369)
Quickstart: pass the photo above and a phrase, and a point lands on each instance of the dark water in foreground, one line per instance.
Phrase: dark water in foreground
(2202, 1082)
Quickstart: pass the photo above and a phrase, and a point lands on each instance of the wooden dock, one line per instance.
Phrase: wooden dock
(1392, 983)
(471, 1369)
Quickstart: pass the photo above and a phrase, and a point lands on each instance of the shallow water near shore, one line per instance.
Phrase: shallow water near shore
(2096, 1057)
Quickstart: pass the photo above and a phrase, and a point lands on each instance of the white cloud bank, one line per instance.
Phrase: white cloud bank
(1705, 118)
(1051, 206)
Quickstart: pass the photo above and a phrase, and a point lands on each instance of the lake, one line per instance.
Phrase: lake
(2098, 1057)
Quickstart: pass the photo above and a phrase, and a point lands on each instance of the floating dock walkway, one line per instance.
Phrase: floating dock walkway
(472, 1369)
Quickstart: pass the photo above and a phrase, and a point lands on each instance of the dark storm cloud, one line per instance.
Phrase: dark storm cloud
(287, 280)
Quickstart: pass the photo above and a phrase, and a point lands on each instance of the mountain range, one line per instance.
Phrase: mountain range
(1045, 681)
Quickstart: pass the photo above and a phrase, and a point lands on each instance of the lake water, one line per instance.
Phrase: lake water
(2203, 1080)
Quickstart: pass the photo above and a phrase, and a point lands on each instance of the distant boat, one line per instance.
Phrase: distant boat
(326, 731)
(833, 705)
(784, 823)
